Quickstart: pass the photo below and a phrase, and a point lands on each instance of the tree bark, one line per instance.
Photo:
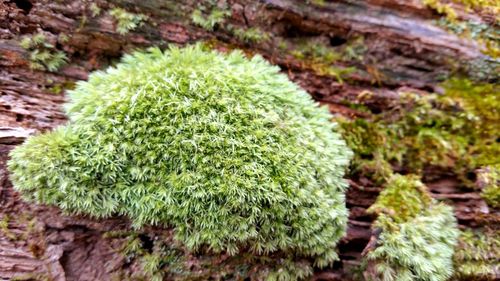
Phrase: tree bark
(402, 50)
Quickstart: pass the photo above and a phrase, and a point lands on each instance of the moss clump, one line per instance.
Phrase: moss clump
(224, 149)
(209, 22)
(477, 255)
(417, 234)
(446, 9)
(249, 35)
(403, 198)
(126, 21)
(42, 54)
(490, 179)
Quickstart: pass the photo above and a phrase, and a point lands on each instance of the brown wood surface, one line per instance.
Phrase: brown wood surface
(403, 45)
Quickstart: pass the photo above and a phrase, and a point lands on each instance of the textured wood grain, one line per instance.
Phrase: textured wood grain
(409, 52)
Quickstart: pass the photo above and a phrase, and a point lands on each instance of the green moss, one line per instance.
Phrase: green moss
(189, 138)
(460, 128)
(369, 142)
(487, 36)
(126, 21)
(95, 9)
(215, 16)
(403, 135)
(42, 54)
(320, 3)
(417, 234)
(442, 8)
(315, 52)
(446, 9)
(476, 257)
(250, 35)
(4, 228)
(324, 60)
(59, 88)
(482, 101)
(403, 198)
(490, 6)
(490, 179)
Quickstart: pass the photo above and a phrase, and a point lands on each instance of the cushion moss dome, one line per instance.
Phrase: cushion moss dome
(223, 149)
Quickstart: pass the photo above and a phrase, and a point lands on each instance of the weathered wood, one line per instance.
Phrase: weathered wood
(404, 51)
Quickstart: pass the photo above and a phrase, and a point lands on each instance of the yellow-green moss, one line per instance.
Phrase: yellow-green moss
(490, 178)
(476, 256)
(42, 54)
(126, 21)
(457, 132)
(491, 6)
(442, 8)
(209, 21)
(403, 198)
(445, 8)
(324, 60)
(315, 52)
(417, 234)
(4, 228)
(485, 35)
(249, 35)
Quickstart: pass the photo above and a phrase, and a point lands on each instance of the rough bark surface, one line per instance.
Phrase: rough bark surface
(404, 50)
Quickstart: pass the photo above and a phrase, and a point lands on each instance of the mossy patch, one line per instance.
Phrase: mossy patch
(248, 35)
(404, 198)
(446, 8)
(459, 127)
(126, 21)
(489, 178)
(208, 22)
(476, 257)
(42, 54)
(417, 235)
(486, 35)
(323, 60)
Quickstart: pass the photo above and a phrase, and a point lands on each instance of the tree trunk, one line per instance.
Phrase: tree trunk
(395, 47)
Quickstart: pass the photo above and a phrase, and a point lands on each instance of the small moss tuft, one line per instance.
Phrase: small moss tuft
(126, 21)
(403, 198)
(490, 179)
(209, 22)
(250, 35)
(42, 54)
(418, 235)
